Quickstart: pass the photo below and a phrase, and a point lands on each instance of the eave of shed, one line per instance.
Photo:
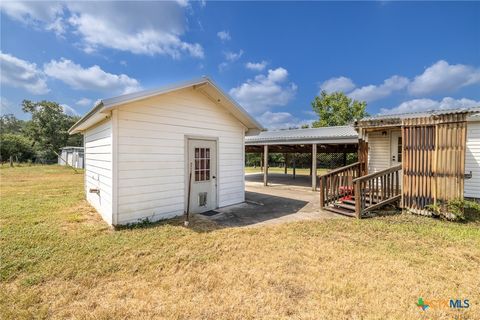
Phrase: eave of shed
(204, 85)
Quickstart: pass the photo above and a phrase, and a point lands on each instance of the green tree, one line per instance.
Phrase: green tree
(10, 124)
(48, 127)
(336, 109)
(17, 146)
(74, 140)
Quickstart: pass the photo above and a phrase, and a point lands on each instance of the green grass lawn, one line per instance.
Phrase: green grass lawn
(60, 260)
(299, 171)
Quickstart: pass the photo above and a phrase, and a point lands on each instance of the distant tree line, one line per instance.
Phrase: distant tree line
(38, 139)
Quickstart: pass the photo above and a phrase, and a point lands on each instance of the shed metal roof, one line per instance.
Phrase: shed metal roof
(324, 135)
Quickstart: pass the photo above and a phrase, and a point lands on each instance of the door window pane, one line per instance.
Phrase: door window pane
(202, 164)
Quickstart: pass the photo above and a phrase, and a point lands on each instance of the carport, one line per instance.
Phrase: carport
(339, 140)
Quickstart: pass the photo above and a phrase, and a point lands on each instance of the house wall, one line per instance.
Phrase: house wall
(151, 153)
(472, 160)
(98, 167)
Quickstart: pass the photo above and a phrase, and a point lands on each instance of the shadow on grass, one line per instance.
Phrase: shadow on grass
(197, 224)
(471, 215)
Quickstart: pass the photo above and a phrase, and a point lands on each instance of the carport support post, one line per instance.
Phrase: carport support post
(294, 164)
(314, 167)
(285, 156)
(265, 164)
(261, 161)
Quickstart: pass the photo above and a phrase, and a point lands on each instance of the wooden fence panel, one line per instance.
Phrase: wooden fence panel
(433, 160)
(450, 160)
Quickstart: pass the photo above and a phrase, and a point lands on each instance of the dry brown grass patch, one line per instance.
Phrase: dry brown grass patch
(59, 260)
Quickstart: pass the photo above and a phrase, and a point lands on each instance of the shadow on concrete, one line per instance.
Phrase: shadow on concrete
(275, 179)
(258, 208)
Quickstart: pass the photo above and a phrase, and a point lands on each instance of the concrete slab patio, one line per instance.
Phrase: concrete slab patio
(277, 203)
(280, 180)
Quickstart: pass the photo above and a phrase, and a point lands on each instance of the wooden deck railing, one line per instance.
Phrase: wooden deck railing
(377, 189)
(338, 184)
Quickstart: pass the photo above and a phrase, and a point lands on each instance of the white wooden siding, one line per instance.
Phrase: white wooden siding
(472, 160)
(378, 151)
(151, 153)
(98, 168)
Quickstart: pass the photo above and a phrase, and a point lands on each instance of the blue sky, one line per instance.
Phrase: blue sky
(272, 57)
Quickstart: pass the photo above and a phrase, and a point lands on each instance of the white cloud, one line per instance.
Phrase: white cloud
(36, 13)
(256, 66)
(69, 110)
(233, 56)
(372, 92)
(149, 27)
(339, 84)
(5, 105)
(224, 35)
(84, 102)
(93, 78)
(281, 120)
(22, 74)
(443, 77)
(418, 105)
(182, 3)
(230, 57)
(265, 91)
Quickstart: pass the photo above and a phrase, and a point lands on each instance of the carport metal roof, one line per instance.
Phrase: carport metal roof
(330, 139)
(324, 135)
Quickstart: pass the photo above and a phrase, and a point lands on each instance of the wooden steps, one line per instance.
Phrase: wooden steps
(347, 207)
(344, 205)
(373, 191)
(341, 211)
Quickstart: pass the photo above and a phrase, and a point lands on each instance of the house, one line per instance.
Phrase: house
(414, 159)
(142, 148)
(73, 156)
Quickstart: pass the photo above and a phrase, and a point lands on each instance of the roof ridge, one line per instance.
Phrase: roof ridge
(430, 111)
(300, 129)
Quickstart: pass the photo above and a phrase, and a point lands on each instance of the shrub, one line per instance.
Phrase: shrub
(17, 146)
(453, 209)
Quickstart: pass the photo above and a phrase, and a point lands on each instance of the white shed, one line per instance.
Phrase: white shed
(73, 156)
(140, 147)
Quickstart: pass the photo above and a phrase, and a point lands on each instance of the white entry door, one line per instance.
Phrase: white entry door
(395, 148)
(202, 161)
(396, 155)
